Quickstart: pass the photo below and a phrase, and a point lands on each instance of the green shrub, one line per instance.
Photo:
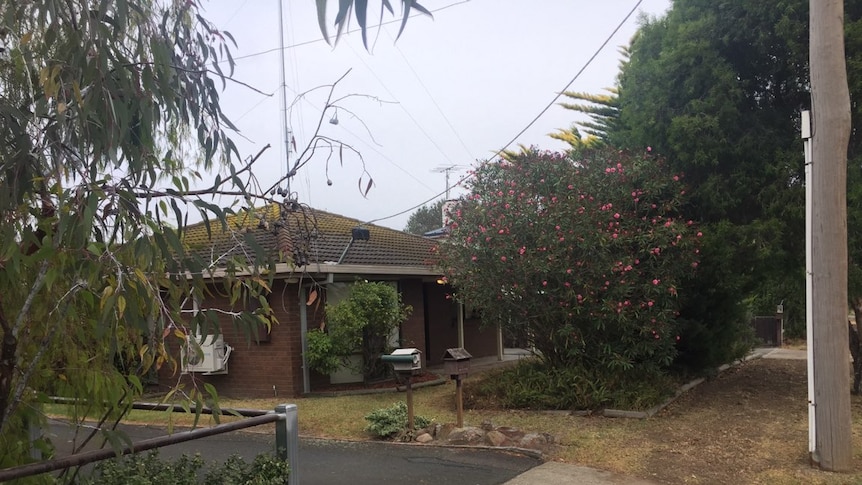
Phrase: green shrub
(535, 385)
(266, 469)
(320, 352)
(359, 324)
(149, 469)
(388, 422)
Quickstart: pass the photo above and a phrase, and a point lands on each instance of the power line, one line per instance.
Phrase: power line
(406, 111)
(361, 140)
(235, 12)
(431, 97)
(534, 120)
(314, 41)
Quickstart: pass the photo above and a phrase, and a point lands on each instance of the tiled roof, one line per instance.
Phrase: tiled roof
(308, 236)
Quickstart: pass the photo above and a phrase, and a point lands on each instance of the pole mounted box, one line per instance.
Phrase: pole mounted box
(456, 362)
(404, 360)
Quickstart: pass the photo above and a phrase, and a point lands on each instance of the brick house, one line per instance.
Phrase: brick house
(319, 254)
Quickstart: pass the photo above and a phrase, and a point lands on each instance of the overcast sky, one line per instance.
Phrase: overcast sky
(452, 90)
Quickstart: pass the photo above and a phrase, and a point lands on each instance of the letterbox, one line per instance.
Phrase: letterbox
(456, 362)
(404, 360)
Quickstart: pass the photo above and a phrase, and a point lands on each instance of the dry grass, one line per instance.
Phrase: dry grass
(749, 425)
(795, 344)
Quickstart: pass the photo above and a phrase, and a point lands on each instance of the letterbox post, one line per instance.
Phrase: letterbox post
(406, 362)
(409, 403)
(460, 400)
(456, 363)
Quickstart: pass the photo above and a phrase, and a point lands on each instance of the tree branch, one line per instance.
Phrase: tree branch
(201, 71)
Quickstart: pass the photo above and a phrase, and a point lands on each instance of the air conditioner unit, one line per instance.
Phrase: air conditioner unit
(207, 354)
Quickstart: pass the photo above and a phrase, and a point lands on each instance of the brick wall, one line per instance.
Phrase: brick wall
(263, 369)
(274, 367)
(443, 327)
(413, 329)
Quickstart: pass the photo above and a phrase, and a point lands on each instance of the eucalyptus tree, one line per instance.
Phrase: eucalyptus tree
(109, 115)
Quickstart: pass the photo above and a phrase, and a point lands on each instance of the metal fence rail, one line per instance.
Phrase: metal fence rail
(286, 441)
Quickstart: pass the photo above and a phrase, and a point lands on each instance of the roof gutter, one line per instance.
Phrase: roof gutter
(286, 269)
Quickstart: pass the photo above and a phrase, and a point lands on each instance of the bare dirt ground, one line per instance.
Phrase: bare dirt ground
(748, 425)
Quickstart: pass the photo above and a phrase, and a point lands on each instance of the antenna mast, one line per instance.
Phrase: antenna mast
(446, 169)
(286, 133)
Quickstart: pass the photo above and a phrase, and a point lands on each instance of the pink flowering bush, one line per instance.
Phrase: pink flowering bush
(584, 255)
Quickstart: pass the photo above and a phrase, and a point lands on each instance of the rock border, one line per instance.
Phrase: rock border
(532, 453)
(487, 436)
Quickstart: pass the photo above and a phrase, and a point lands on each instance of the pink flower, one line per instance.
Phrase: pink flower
(617, 215)
(648, 149)
(474, 258)
(522, 250)
(503, 259)
(699, 234)
(650, 303)
(544, 283)
(569, 271)
(676, 178)
(656, 281)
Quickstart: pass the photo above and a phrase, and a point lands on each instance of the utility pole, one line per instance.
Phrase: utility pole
(830, 101)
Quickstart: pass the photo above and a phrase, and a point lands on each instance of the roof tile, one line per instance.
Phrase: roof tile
(308, 236)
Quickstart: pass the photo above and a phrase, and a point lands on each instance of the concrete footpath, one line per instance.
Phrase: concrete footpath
(557, 473)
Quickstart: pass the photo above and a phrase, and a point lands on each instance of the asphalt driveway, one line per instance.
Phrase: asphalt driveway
(344, 462)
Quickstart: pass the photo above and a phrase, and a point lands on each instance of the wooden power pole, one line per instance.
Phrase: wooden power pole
(830, 99)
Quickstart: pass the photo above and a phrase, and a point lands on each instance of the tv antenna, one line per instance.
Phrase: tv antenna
(287, 135)
(447, 169)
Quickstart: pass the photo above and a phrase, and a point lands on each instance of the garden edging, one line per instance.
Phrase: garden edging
(622, 413)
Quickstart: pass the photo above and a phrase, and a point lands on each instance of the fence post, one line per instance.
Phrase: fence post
(287, 439)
